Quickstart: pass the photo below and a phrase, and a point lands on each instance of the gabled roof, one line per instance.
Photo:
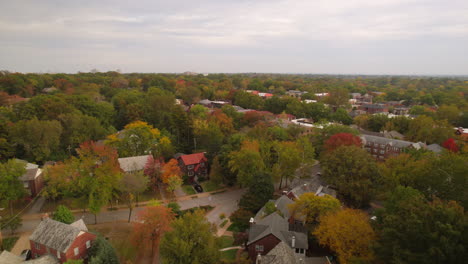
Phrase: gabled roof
(393, 142)
(133, 163)
(282, 206)
(193, 158)
(31, 174)
(281, 254)
(436, 148)
(10, 258)
(279, 227)
(56, 235)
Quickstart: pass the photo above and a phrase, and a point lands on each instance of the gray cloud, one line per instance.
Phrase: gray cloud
(321, 36)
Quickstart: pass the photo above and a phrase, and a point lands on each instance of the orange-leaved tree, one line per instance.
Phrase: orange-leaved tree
(342, 139)
(170, 169)
(348, 233)
(151, 224)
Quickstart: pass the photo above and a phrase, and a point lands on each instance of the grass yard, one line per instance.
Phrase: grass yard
(209, 186)
(118, 234)
(188, 189)
(226, 241)
(9, 242)
(229, 255)
(234, 228)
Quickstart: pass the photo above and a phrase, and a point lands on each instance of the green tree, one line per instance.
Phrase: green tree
(42, 139)
(289, 160)
(102, 252)
(411, 230)
(191, 240)
(63, 214)
(74, 261)
(246, 162)
(11, 188)
(260, 191)
(353, 172)
(451, 113)
(216, 172)
(131, 185)
(342, 116)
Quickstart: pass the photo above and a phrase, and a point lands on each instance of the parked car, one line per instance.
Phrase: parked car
(26, 254)
(198, 188)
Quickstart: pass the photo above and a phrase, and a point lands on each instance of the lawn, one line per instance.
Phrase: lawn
(234, 228)
(9, 242)
(226, 241)
(229, 254)
(188, 189)
(118, 234)
(209, 186)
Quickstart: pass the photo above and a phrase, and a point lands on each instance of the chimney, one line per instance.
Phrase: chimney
(259, 259)
(293, 241)
(44, 216)
(252, 221)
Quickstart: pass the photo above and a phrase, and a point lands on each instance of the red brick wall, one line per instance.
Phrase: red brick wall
(268, 242)
(80, 242)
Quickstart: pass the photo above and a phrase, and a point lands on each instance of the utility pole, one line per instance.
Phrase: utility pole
(1, 238)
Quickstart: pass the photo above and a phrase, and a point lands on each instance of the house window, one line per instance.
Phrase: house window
(77, 251)
(26, 184)
(259, 248)
(37, 245)
(88, 244)
(202, 164)
(190, 173)
(382, 152)
(297, 251)
(190, 167)
(302, 251)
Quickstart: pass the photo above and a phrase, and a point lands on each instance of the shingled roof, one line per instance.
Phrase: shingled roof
(193, 158)
(56, 235)
(392, 142)
(136, 163)
(279, 227)
(281, 204)
(31, 174)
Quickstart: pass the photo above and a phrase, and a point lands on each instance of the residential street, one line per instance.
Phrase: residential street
(225, 202)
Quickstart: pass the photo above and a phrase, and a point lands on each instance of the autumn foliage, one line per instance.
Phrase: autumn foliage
(342, 139)
(348, 233)
(450, 145)
(170, 169)
(151, 224)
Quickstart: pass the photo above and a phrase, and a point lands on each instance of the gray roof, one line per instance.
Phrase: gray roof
(436, 148)
(392, 142)
(281, 254)
(279, 227)
(133, 163)
(46, 259)
(282, 206)
(55, 235)
(31, 174)
(314, 185)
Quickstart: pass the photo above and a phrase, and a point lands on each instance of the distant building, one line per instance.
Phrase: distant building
(374, 108)
(65, 242)
(382, 148)
(33, 179)
(296, 93)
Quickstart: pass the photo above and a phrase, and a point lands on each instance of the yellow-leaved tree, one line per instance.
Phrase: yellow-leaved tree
(348, 233)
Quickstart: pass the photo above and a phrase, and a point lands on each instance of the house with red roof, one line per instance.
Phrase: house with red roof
(194, 165)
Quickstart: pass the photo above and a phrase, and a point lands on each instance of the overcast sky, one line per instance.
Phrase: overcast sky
(283, 36)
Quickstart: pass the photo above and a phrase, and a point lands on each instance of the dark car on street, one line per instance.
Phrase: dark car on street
(198, 188)
(26, 254)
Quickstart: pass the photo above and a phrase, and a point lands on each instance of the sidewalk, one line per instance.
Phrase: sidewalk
(36, 216)
(22, 243)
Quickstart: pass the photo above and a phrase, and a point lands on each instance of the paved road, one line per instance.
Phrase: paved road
(225, 202)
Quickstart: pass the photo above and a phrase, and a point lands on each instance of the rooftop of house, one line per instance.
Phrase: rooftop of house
(10, 258)
(436, 148)
(283, 254)
(392, 142)
(313, 184)
(57, 235)
(279, 227)
(133, 163)
(31, 174)
(376, 106)
(193, 158)
(281, 204)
